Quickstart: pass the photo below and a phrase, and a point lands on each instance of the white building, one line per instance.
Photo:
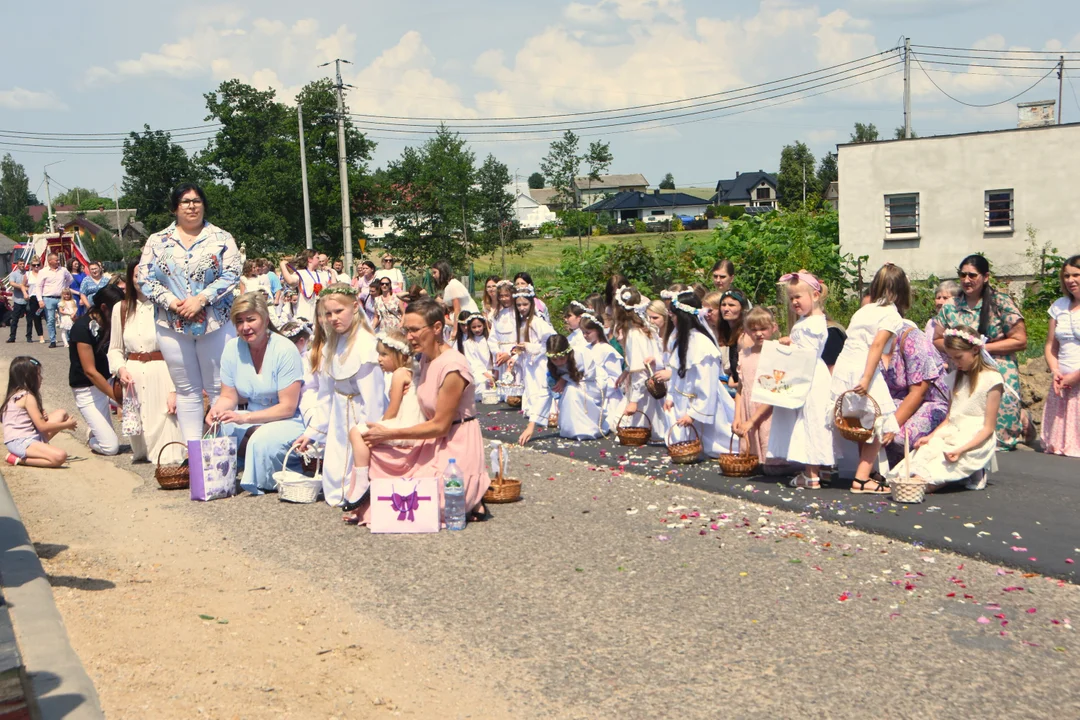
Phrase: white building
(589, 191)
(376, 228)
(529, 212)
(926, 203)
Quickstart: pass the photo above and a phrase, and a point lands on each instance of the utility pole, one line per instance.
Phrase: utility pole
(907, 88)
(48, 196)
(1061, 81)
(804, 182)
(119, 230)
(303, 179)
(343, 167)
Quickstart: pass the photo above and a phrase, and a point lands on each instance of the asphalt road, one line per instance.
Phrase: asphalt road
(611, 593)
(1023, 519)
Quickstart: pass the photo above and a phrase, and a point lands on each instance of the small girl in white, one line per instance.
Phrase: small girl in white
(640, 342)
(858, 368)
(474, 344)
(573, 323)
(963, 447)
(573, 394)
(608, 364)
(530, 340)
(67, 309)
(802, 435)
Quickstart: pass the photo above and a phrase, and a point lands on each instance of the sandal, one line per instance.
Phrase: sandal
(881, 489)
(481, 514)
(351, 518)
(807, 483)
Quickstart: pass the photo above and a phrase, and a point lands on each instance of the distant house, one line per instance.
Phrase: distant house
(751, 189)
(134, 233)
(589, 191)
(83, 225)
(528, 211)
(634, 205)
(378, 227)
(63, 217)
(832, 195)
(7, 254)
(547, 198)
(37, 212)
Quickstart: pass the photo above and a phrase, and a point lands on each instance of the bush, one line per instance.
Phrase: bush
(640, 226)
(676, 224)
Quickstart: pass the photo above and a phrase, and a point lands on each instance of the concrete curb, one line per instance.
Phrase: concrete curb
(61, 687)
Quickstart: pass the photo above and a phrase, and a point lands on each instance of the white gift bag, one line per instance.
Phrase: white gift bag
(785, 373)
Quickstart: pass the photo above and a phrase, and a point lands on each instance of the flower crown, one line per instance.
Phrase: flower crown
(471, 317)
(591, 318)
(339, 289)
(966, 336)
(623, 298)
(526, 292)
(564, 353)
(295, 327)
(673, 297)
(579, 306)
(504, 283)
(394, 344)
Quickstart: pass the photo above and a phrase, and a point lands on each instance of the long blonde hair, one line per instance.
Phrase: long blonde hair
(955, 342)
(319, 353)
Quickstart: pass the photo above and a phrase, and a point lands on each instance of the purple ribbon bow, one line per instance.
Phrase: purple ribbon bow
(405, 505)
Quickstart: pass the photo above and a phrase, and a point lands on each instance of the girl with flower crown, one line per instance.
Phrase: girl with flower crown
(608, 364)
(345, 387)
(473, 342)
(640, 342)
(963, 448)
(573, 394)
(527, 354)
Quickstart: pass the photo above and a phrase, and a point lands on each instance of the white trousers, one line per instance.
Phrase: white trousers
(94, 406)
(195, 366)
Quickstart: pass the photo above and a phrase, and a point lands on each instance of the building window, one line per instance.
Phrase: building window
(998, 210)
(764, 193)
(902, 214)
(657, 212)
(376, 222)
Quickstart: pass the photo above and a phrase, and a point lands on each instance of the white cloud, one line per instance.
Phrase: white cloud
(21, 99)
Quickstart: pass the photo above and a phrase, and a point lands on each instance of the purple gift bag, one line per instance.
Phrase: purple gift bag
(212, 462)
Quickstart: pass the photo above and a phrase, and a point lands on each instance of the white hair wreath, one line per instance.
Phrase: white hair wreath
(394, 344)
(526, 292)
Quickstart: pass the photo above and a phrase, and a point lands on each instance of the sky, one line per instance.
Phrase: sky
(127, 66)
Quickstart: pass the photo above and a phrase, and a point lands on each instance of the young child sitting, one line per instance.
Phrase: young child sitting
(963, 447)
(28, 429)
(572, 393)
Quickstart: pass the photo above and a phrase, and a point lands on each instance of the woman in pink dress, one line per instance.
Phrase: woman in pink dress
(450, 431)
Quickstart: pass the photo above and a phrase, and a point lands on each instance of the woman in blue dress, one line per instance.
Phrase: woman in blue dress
(264, 370)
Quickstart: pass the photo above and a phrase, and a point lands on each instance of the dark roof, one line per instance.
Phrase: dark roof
(739, 187)
(633, 200)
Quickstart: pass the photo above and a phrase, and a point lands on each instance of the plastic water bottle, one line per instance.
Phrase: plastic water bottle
(454, 495)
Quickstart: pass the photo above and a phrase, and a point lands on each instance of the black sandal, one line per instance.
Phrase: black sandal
(476, 516)
(882, 486)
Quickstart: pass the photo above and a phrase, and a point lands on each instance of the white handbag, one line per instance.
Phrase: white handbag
(131, 413)
(785, 373)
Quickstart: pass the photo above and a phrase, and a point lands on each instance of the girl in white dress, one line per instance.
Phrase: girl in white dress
(608, 365)
(872, 328)
(803, 435)
(695, 395)
(135, 358)
(346, 384)
(309, 282)
(504, 328)
(573, 323)
(963, 447)
(640, 342)
(527, 356)
(1061, 415)
(573, 394)
(473, 342)
(67, 310)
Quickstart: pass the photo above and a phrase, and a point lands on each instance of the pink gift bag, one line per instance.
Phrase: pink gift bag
(404, 505)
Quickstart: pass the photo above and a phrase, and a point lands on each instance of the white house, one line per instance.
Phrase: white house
(376, 228)
(529, 212)
(747, 189)
(926, 203)
(633, 205)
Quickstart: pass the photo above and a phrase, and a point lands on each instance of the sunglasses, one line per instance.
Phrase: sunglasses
(968, 275)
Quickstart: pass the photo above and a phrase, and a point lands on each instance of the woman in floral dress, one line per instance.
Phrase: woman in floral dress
(996, 316)
(916, 379)
(388, 307)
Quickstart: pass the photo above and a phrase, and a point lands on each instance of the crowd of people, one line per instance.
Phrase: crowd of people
(381, 380)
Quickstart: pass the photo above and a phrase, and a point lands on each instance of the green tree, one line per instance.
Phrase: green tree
(796, 175)
(827, 172)
(562, 165)
(14, 195)
(668, 183)
(494, 206)
(898, 133)
(75, 196)
(153, 166)
(864, 133)
(536, 181)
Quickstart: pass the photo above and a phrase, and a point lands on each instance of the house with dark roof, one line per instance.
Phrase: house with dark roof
(751, 189)
(635, 205)
(589, 191)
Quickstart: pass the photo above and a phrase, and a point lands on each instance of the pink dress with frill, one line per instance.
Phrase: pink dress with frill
(428, 458)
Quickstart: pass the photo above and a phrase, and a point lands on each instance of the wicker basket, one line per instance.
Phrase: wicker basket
(686, 452)
(634, 436)
(513, 401)
(737, 464)
(655, 386)
(850, 427)
(553, 420)
(172, 477)
(503, 489)
(294, 487)
(908, 490)
(489, 397)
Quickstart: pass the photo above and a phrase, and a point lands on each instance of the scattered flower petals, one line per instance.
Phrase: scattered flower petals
(983, 620)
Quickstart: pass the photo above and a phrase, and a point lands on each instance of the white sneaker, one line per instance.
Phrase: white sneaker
(976, 481)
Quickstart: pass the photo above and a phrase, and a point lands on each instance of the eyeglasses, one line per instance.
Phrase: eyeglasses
(968, 275)
(191, 203)
(413, 330)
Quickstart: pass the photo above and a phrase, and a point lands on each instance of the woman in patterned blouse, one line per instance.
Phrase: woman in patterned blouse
(998, 318)
(189, 271)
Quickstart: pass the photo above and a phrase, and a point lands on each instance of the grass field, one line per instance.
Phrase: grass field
(546, 253)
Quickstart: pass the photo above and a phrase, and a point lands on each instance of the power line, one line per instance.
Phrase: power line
(1073, 88)
(1026, 52)
(986, 57)
(202, 128)
(675, 115)
(637, 107)
(977, 105)
(983, 65)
